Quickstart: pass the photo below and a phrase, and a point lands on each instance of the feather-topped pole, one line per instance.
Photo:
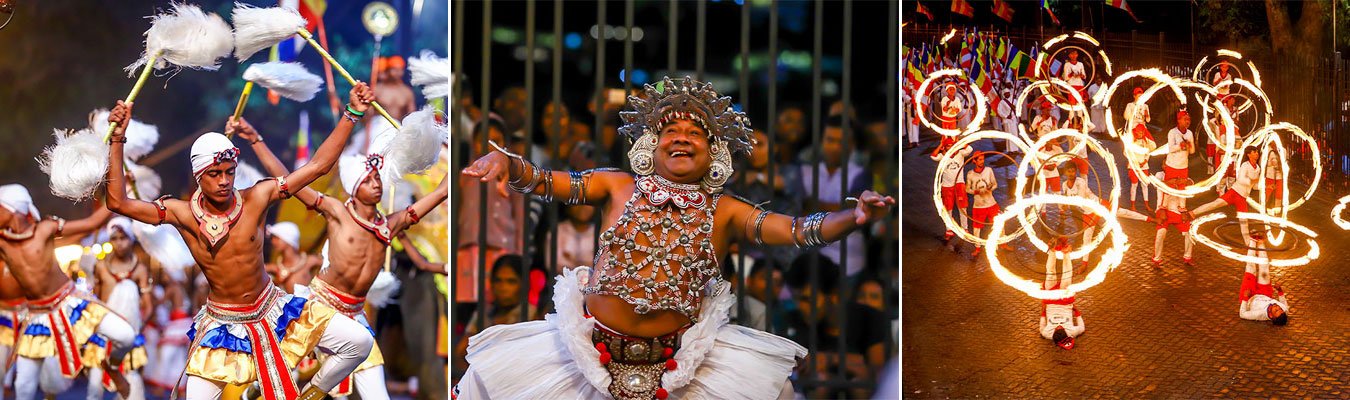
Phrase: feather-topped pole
(288, 79)
(245, 176)
(148, 183)
(141, 137)
(77, 163)
(417, 145)
(432, 73)
(185, 37)
(382, 290)
(259, 28)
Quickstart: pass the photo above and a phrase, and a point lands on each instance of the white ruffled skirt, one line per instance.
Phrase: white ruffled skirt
(555, 359)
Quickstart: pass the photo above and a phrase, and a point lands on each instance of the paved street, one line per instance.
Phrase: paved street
(1169, 332)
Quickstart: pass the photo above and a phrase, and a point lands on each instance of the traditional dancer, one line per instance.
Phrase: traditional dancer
(1180, 146)
(1007, 113)
(951, 108)
(1044, 123)
(249, 329)
(1221, 76)
(1212, 148)
(122, 281)
(655, 319)
(292, 267)
(953, 182)
(1247, 175)
(1075, 73)
(1260, 300)
(1061, 321)
(60, 318)
(1075, 187)
(1077, 123)
(1144, 140)
(909, 116)
(1137, 114)
(1274, 178)
(980, 183)
(1172, 213)
(13, 309)
(360, 235)
(1050, 171)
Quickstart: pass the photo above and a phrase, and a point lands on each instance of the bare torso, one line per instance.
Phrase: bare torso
(287, 274)
(396, 98)
(234, 267)
(618, 314)
(9, 287)
(118, 270)
(355, 255)
(32, 262)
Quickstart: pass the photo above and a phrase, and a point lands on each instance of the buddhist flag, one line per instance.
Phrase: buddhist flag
(963, 7)
(302, 141)
(1005, 11)
(923, 10)
(1121, 4)
(1045, 5)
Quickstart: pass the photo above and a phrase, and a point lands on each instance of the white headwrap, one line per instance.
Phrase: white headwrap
(287, 231)
(355, 169)
(16, 199)
(211, 148)
(124, 224)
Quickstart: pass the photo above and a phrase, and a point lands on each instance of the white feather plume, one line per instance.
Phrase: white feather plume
(186, 37)
(259, 28)
(432, 73)
(245, 176)
(77, 163)
(288, 79)
(382, 290)
(417, 145)
(166, 245)
(148, 182)
(141, 137)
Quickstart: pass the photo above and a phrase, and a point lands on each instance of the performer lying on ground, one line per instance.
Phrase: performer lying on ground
(1061, 321)
(1260, 299)
(249, 329)
(652, 319)
(358, 236)
(49, 350)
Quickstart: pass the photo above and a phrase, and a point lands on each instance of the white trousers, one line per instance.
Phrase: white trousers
(5, 351)
(346, 343)
(96, 385)
(30, 373)
(369, 383)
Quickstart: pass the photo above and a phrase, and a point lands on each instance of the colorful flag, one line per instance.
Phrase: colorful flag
(966, 56)
(963, 7)
(1121, 4)
(1055, 65)
(1019, 63)
(914, 74)
(1005, 11)
(1030, 73)
(923, 10)
(302, 141)
(1045, 5)
(1002, 53)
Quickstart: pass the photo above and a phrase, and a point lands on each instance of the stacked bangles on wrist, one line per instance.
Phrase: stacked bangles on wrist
(536, 175)
(352, 115)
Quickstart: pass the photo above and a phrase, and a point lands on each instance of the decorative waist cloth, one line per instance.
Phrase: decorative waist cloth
(354, 307)
(58, 325)
(237, 344)
(11, 313)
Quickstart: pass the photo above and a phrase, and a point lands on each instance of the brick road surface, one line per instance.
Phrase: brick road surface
(1169, 332)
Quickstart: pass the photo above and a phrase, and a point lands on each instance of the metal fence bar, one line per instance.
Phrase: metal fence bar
(816, 48)
(845, 289)
(701, 23)
(740, 277)
(486, 97)
(457, 113)
(672, 37)
(892, 74)
(554, 142)
(527, 233)
(600, 113)
(772, 117)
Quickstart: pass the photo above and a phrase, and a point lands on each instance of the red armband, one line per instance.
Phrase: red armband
(412, 215)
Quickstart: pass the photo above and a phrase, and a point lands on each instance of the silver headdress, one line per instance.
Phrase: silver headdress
(692, 100)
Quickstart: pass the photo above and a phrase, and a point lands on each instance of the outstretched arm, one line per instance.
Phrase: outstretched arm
(592, 187)
(85, 225)
(117, 200)
(328, 152)
(418, 260)
(270, 162)
(779, 229)
(401, 220)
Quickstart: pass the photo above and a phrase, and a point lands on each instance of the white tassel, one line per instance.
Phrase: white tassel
(148, 183)
(245, 176)
(417, 146)
(324, 253)
(382, 290)
(259, 28)
(141, 137)
(186, 37)
(77, 164)
(288, 79)
(432, 73)
(165, 245)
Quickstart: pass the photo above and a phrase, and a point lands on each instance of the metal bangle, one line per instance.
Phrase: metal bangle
(548, 185)
(794, 233)
(759, 225)
(813, 228)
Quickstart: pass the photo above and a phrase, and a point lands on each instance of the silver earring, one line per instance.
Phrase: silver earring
(640, 156)
(721, 169)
